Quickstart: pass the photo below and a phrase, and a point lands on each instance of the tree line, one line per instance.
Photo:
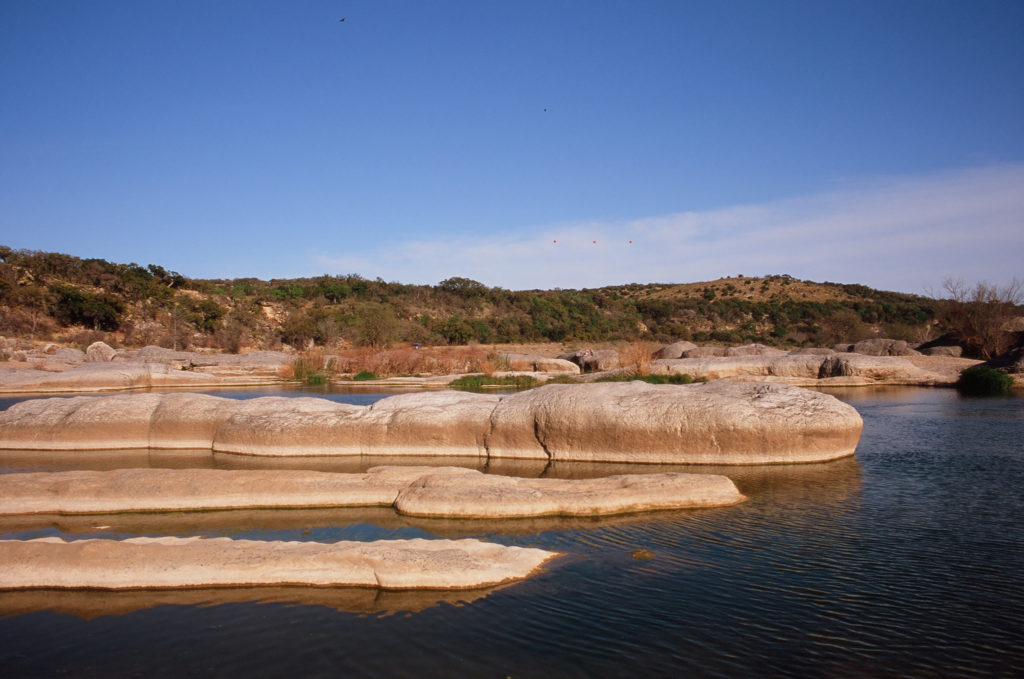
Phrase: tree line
(45, 294)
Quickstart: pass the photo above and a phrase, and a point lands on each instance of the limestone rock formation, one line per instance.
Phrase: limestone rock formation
(589, 360)
(170, 562)
(256, 363)
(745, 350)
(449, 492)
(674, 350)
(113, 376)
(723, 423)
(542, 364)
(711, 423)
(804, 368)
(883, 347)
(99, 352)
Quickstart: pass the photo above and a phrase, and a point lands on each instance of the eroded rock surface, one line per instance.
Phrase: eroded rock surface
(110, 376)
(541, 364)
(715, 423)
(447, 492)
(170, 562)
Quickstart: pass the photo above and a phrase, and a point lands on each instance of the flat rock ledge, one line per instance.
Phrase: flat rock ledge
(448, 492)
(170, 562)
(631, 422)
(100, 377)
(805, 368)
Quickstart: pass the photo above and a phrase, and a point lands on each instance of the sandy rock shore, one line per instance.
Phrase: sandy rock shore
(170, 562)
(446, 492)
(711, 423)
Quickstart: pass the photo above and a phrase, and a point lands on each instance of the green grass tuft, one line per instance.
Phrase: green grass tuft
(479, 382)
(651, 379)
(980, 380)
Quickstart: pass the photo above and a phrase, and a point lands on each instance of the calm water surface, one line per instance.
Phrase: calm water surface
(906, 560)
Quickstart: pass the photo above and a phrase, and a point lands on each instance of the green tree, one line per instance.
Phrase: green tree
(375, 325)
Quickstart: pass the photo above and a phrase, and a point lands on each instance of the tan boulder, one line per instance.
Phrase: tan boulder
(744, 350)
(99, 352)
(674, 350)
(883, 347)
(170, 562)
(543, 364)
(711, 423)
(590, 360)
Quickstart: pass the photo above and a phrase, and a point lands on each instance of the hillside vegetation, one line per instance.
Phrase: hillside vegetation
(59, 297)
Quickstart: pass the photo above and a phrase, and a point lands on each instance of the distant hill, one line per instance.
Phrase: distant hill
(55, 296)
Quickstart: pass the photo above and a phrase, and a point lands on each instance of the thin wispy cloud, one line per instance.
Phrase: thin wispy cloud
(905, 233)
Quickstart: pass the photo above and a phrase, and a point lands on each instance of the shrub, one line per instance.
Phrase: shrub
(78, 307)
(981, 380)
(979, 316)
(364, 375)
(312, 367)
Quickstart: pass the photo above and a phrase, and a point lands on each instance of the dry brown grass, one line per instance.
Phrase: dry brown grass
(636, 356)
(406, 360)
(313, 366)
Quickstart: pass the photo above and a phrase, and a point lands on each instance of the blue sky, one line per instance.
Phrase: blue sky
(870, 142)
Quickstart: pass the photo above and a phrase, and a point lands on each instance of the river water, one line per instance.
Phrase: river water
(905, 560)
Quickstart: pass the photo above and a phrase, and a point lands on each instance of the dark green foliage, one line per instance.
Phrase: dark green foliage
(364, 376)
(650, 379)
(458, 310)
(463, 287)
(78, 307)
(455, 330)
(980, 380)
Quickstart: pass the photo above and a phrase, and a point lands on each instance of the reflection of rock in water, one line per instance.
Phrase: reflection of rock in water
(369, 522)
(783, 483)
(102, 460)
(94, 604)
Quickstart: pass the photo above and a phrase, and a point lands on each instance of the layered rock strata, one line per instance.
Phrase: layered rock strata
(803, 368)
(635, 422)
(110, 376)
(447, 492)
(170, 562)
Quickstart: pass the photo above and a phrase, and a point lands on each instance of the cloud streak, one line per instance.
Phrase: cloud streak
(903, 233)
